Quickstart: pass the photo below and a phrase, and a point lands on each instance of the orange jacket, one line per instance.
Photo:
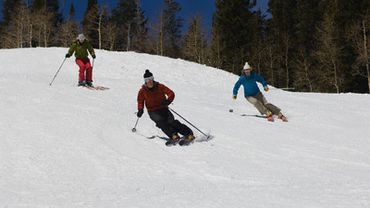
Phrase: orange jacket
(154, 97)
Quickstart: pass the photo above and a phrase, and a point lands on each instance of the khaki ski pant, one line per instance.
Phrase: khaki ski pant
(259, 101)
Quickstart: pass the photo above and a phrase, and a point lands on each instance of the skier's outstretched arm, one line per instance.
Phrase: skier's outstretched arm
(236, 87)
(140, 100)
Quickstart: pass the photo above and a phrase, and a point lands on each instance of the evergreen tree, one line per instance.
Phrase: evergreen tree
(350, 14)
(38, 4)
(257, 33)
(72, 13)
(215, 47)
(109, 31)
(283, 28)
(171, 28)
(9, 9)
(91, 5)
(16, 28)
(328, 55)
(41, 23)
(69, 29)
(123, 16)
(194, 42)
(90, 22)
(309, 15)
(130, 20)
(48, 19)
(140, 37)
(231, 43)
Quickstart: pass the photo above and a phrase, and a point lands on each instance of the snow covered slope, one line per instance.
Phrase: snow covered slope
(64, 146)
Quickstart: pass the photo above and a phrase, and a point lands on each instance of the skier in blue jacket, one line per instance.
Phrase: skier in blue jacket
(252, 93)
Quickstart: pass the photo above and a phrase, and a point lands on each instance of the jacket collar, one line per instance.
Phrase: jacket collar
(155, 85)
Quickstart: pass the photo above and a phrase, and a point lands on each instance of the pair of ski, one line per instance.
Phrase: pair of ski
(263, 116)
(96, 88)
(182, 142)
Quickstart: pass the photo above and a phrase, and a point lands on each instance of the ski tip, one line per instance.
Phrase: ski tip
(169, 144)
(209, 137)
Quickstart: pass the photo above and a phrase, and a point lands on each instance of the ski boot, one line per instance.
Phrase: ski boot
(89, 84)
(173, 140)
(282, 117)
(187, 140)
(81, 84)
(270, 117)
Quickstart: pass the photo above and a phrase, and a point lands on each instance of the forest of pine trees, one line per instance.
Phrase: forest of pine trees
(300, 45)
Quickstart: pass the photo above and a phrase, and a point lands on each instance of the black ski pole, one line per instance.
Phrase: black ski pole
(189, 122)
(57, 72)
(134, 129)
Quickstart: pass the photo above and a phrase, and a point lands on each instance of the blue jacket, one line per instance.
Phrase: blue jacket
(249, 84)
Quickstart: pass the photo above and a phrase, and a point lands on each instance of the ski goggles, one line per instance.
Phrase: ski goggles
(148, 78)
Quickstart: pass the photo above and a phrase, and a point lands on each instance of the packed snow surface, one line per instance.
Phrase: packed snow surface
(67, 146)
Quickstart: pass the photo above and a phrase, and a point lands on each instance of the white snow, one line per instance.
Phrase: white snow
(64, 146)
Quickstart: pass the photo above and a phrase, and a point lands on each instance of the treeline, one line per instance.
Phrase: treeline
(302, 45)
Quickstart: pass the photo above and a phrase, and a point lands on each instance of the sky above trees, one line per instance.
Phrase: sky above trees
(204, 8)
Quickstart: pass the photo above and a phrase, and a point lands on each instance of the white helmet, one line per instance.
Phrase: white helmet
(246, 66)
(81, 37)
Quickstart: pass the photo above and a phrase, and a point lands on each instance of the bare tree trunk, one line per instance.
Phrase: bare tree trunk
(218, 50)
(197, 52)
(335, 71)
(366, 54)
(30, 35)
(112, 34)
(271, 65)
(306, 69)
(21, 34)
(45, 36)
(202, 53)
(99, 28)
(161, 35)
(128, 37)
(286, 60)
(39, 42)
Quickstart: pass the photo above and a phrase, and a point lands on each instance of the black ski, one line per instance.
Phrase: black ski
(170, 143)
(254, 115)
(184, 142)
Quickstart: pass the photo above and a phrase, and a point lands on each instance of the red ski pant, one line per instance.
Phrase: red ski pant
(85, 69)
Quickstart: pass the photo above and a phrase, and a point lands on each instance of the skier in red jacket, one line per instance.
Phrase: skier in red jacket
(157, 97)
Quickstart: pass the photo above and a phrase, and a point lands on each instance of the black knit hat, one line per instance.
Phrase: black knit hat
(148, 74)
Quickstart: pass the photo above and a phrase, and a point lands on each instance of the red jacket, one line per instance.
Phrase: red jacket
(154, 97)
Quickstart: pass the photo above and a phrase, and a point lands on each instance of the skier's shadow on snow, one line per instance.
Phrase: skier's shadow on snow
(204, 138)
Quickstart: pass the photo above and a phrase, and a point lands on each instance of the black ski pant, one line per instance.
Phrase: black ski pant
(165, 120)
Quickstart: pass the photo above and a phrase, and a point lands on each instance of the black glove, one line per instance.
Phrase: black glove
(93, 55)
(140, 113)
(68, 55)
(166, 102)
